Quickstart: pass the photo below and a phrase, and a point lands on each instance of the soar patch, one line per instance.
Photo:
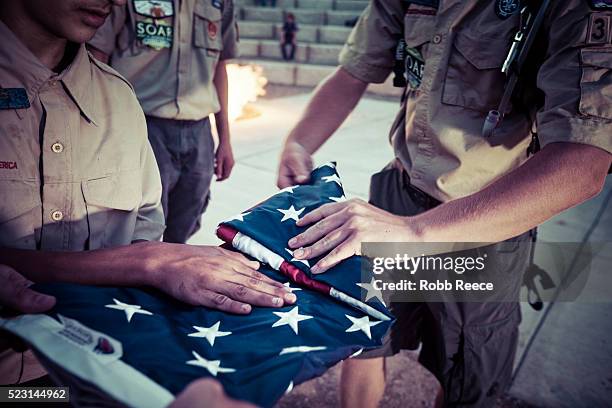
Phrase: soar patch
(506, 8)
(155, 34)
(601, 4)
(415, 66)
(14, 98)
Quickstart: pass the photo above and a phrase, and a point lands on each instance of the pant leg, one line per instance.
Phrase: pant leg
(292, 51)
(164, 137)
(283, 48)
(189, 198)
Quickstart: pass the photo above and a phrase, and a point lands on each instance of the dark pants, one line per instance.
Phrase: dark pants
(469, 347)
(288, 55)
(185, 155)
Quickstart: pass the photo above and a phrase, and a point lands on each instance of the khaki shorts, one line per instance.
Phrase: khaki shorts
(468, 347)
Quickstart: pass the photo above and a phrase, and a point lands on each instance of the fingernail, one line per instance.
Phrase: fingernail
(290, 297)
(298, 253)
(293, 241)
(277, 301)
(246, 308)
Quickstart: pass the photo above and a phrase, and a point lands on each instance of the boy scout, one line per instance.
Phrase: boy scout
(174, 53)
(449, 183)
(81, 194)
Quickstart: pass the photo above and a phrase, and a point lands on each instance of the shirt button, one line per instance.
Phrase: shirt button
(57, 215)
(53, 82)
(436, 39)
(57, 147)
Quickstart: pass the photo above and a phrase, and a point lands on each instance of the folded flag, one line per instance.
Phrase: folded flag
(140, 348)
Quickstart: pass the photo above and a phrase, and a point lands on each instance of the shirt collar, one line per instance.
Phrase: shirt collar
(29, 72)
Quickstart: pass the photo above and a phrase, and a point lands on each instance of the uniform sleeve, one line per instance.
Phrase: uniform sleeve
(229, 31)
(150, 223)
(369, 53)
(105, 37)
(576, 78)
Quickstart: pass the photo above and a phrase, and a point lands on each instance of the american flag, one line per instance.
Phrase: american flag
(139, 347)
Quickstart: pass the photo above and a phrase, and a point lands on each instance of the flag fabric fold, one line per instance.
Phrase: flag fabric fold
(139, 347)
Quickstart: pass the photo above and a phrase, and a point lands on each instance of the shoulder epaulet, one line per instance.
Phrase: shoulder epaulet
(109, 70)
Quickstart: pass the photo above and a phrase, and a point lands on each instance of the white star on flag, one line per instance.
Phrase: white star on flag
(304, 261)
(289, 288)
(289, 388)
(330, 164)
(239, 217)
(130, 310)
(338, 199)
(301, 349)
(213, 366)
(332, 179)
(287, 190)
(291, 318)
(209, 333)
(371, 291)
(291, 213)
(363, 324)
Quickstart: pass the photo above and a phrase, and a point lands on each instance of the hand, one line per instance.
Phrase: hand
(212, 277)
(15, 293)
(295, 165)
(224, 161)
(342, 227)
(206, 393)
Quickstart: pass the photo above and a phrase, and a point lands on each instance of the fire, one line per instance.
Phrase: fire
(245, 84)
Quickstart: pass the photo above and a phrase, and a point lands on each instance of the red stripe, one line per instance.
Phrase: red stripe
(226, 233)
(298, 276)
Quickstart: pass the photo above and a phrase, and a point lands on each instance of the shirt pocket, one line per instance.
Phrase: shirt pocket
(19, 213)
(207, 28)
(596, 83)
(112, 204)
(473, 78)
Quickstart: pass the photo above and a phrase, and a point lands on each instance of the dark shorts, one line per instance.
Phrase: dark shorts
(468, 347)
(185, 154)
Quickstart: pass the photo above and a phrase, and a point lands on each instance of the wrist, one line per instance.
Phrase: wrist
(148, 262)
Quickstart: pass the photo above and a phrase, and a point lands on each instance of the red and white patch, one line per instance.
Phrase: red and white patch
(213, 30)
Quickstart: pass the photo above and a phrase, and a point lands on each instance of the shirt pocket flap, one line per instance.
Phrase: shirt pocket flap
(481, 52)
(120, 191)
(207, 11)
(596, 58)
(418, 29)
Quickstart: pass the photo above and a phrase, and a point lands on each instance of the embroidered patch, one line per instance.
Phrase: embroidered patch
(213, 30)
(506, 8)
(14, 98)
(601, 4)
(156, 34)
(599, 28)
(415, 66)
(154, 8)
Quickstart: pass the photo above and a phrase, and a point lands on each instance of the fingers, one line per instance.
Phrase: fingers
(323, 245)
(257, 291)
(238, 257)
(323, 211)
(295, 166)
(224, 168)
(316, 232)
(344, 251)
(221, 302)
(16, 294)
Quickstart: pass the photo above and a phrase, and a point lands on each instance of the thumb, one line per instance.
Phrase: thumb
(301, 168)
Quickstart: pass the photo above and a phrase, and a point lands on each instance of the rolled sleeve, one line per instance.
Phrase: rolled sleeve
(106, 36)
(150, 218)
(576, 78)
(369, 52)
(229, 32)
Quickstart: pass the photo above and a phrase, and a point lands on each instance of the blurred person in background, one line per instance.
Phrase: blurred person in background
(288, 37)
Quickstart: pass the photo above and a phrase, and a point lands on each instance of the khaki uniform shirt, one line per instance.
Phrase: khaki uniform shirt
(78, 170)
(437, 136)
(169, 51)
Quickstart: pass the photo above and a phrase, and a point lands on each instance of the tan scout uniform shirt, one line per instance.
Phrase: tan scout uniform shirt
(84, 175)
(169, 51)
(437, 136)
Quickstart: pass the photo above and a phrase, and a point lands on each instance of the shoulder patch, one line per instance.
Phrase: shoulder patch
(107, 69)
(599, 31)
(601, 4)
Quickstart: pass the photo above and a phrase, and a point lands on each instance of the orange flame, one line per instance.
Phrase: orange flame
(245, 84)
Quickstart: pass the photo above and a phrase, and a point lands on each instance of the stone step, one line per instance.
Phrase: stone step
(310, 75)
(313, 53)
(308, 33)
(302, 16)
(352, 5)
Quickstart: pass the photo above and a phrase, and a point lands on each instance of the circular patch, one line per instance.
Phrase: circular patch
(212, 30)
(506, 8)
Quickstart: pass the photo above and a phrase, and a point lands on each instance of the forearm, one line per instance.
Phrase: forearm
(332, 102)
(560, 176)
(221, 86)
(121, 266)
